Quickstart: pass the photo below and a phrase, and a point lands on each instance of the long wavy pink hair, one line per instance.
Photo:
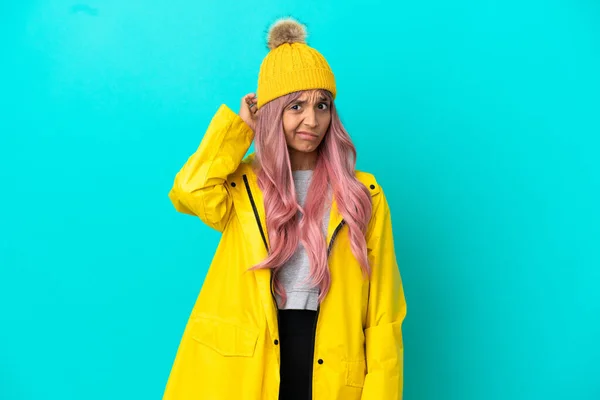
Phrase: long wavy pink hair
(336, 163)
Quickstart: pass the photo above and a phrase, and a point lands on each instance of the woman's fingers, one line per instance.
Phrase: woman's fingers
(248, 109)
(251, 101)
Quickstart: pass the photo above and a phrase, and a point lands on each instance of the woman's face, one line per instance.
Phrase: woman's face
(306, 120)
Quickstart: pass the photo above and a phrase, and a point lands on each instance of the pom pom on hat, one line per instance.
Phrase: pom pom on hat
(286, 30)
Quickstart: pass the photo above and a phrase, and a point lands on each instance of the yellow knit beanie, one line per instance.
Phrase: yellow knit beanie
(291, 65)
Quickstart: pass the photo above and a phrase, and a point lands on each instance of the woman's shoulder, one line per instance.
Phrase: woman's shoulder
(379, 201)
(369, 180)
(246, 167)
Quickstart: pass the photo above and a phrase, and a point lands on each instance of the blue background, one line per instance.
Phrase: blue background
(480, 119)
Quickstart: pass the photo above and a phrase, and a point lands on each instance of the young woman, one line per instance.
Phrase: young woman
(303, 299)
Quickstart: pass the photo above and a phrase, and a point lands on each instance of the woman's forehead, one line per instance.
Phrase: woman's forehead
(313, 95)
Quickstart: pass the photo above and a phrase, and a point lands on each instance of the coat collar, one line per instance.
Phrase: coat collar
(255, 202)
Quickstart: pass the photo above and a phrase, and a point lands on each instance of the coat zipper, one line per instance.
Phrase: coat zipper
(335, 232)
(262, 234)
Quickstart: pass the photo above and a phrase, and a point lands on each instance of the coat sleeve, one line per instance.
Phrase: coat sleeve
(200, 186)
(386, 310)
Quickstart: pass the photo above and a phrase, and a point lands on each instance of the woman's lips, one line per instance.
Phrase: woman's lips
(307, 135)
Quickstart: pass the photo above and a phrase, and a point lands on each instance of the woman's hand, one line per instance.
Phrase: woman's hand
(248, 110)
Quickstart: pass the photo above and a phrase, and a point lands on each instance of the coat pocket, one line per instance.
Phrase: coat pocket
(227, 339)
(355, 373)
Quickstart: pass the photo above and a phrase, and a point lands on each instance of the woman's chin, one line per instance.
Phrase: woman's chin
(304, 147)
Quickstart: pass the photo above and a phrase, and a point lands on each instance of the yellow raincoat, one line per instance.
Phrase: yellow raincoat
(230, 347)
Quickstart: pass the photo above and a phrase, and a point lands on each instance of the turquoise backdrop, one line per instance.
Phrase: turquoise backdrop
(480, 119)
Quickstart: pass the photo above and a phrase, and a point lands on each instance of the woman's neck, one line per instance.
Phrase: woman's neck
(302, 161)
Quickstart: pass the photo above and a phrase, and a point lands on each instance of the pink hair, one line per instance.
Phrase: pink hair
(335, 163)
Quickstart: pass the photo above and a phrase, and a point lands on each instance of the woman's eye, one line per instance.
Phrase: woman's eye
(321, 106)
